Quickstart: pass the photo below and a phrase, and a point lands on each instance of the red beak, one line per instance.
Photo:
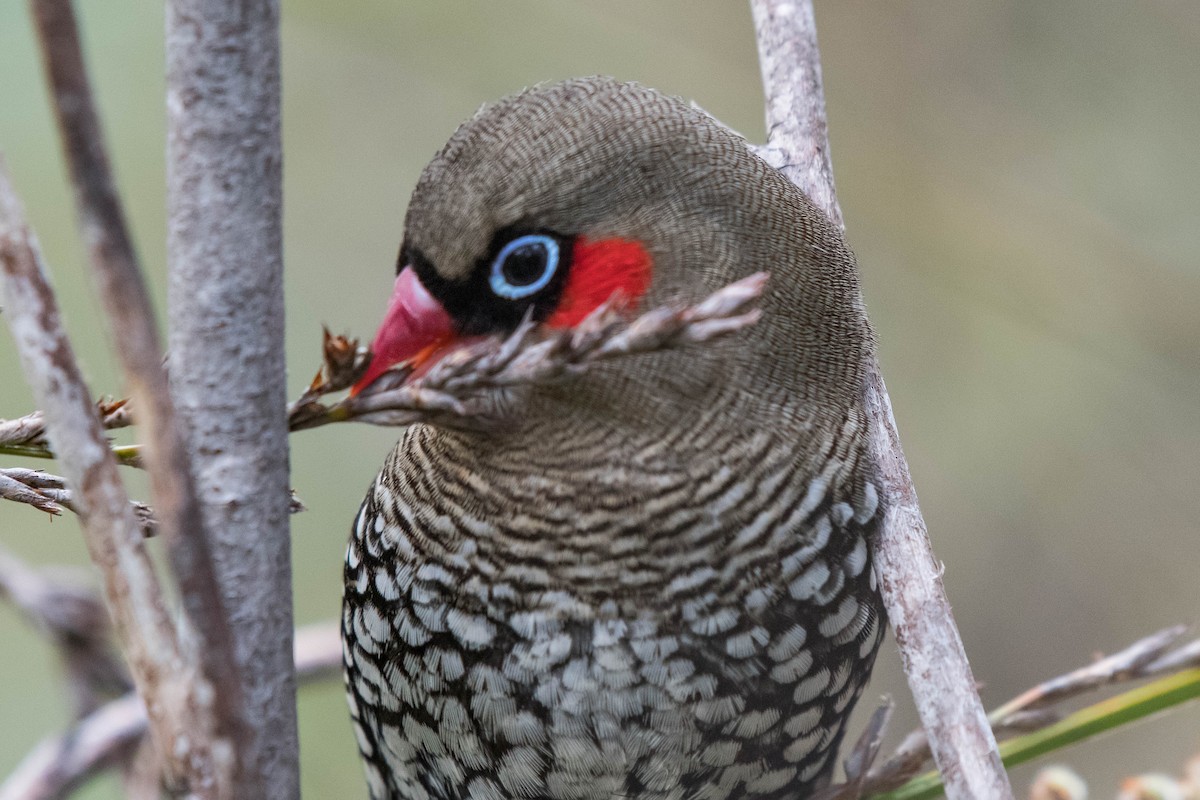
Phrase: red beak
(414, 328)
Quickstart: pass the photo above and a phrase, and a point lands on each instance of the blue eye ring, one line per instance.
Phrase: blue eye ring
(500, 283)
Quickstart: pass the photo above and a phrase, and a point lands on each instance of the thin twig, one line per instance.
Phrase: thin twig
(17, 490)
(108, 736)
(26, 436)
(31, 428)
(797, 126)
(23, 430)
(910, 578)
(1037, 708)
(49, 493)
(1132, 663)
(135, 334)
(144, 627)
(469, 386)
(73, 616)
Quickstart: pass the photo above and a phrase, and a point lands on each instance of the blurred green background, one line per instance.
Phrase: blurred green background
(1020, 181)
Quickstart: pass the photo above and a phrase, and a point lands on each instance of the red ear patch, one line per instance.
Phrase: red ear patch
(598, 270)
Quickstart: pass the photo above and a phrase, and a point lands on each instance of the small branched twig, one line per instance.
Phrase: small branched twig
(1037, 708)
(26, 436)
(467, 387)
(19, 485)
(1149, 657)
(49, 493)
(72, 616)
(462, 388)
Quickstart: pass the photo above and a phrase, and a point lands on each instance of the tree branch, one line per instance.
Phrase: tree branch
(228, 373)
(26, 436)
(910, 578)
(109, 735)
(797, 127)
(135, 335)
(104, 738)
(181, 717)
(74, 618)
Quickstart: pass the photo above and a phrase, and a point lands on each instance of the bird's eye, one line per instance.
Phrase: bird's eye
(524, 266)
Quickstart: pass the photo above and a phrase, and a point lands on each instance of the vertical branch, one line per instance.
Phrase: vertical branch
(123, 290)
(226, 339)
(910, 578)
(179, 717)
(797, 126)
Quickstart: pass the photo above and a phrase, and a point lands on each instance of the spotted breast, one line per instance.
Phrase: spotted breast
(655, 581)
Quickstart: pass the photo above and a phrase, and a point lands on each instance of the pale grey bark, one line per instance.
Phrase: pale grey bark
(935, 662)
(797, 126)
(118, 278)
(177, 694)
(226, 342)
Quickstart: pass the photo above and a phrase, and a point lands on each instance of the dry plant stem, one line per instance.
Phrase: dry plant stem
(72, 615)
(1136, 661)
(49, 493)
(1182, 658)
(228, 374)
(123, 290)
(960, 736)
(20, 491)
(466, 387)
(109, 735)
(31, 427)
(26, 435)
(144, 628)
(1033, 710)
(910, 577)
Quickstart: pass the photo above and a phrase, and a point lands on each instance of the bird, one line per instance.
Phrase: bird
(654, 579)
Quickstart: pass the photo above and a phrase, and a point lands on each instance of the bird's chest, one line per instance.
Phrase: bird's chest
(468, 684)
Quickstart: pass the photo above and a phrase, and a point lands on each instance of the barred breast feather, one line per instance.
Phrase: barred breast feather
(662, 637)
(654, 581)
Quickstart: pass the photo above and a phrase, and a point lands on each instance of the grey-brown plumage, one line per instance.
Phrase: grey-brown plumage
(656, 582)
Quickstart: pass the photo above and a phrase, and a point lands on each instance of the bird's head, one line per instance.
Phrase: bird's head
(549, 202)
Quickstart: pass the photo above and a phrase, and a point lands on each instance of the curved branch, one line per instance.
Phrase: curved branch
(119, 279)
(146, 632)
